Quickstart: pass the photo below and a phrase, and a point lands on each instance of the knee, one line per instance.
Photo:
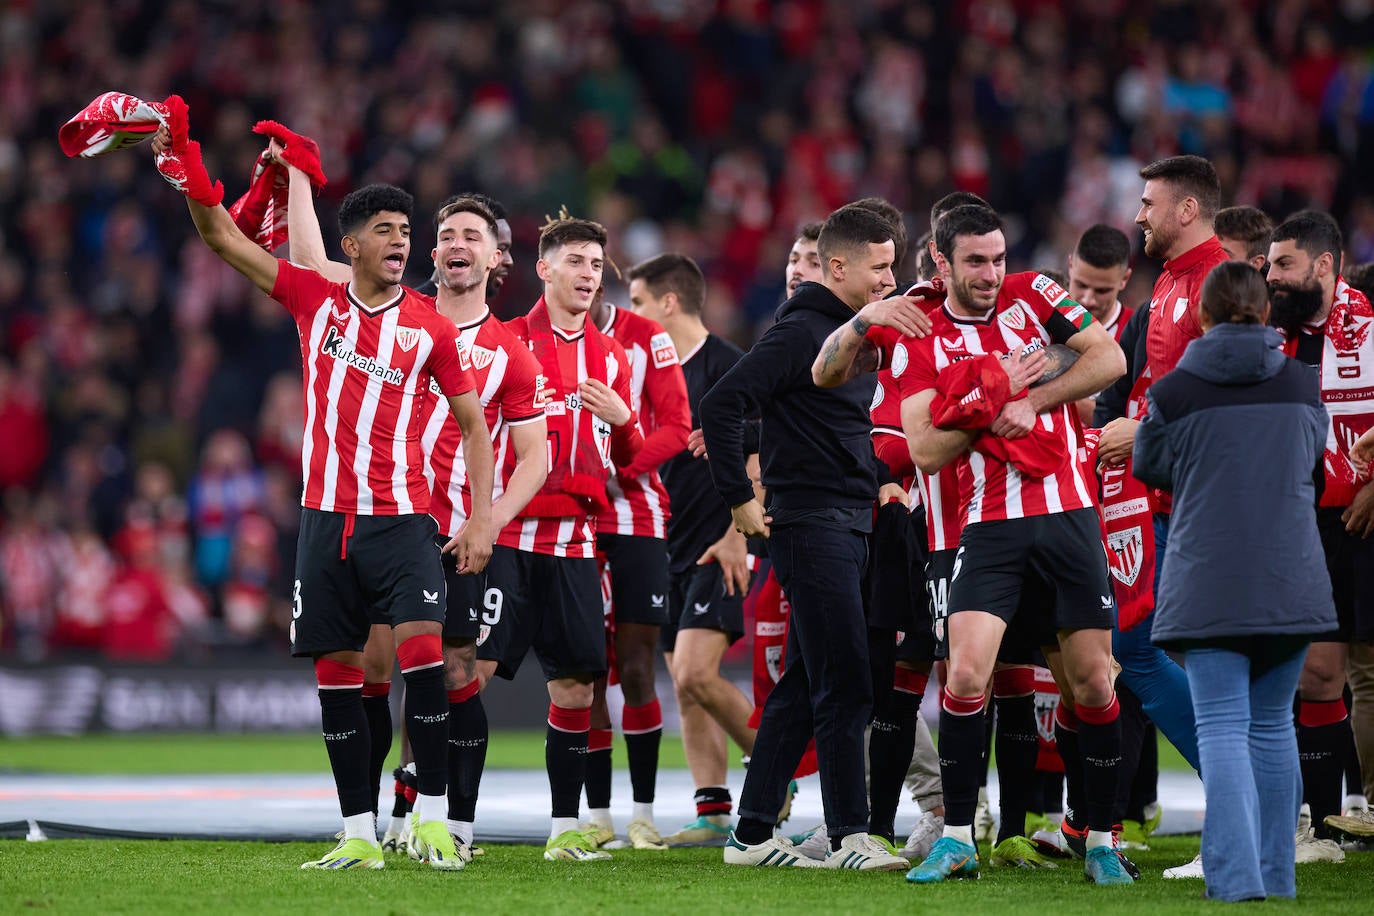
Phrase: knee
(965, 679)
(460, 664)
(376, 670)
(637, 681)
(693, 683)
(571, 694)
(1093, 687)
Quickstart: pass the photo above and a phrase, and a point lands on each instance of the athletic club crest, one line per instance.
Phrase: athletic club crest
(483, 632)
(772, 656)
(1014, 317)
(407, 338)
(482, 357)
(1127, 550)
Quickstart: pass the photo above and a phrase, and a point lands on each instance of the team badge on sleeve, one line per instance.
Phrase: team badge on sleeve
(1052, 291)
(665, 354)
(899, 360)
(464, 359)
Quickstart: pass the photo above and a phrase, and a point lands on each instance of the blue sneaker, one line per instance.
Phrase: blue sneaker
(948, 858)
(1102, 865)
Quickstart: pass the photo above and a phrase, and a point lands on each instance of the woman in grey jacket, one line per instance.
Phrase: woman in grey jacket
(1236, 432)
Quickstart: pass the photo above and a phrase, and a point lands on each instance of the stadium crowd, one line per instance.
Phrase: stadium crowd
(151, 410)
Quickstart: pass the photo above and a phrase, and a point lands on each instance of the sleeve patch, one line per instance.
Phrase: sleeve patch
(464, 359)
(665, 354)
(1077, 315)
(899, 360)
(1052, 291)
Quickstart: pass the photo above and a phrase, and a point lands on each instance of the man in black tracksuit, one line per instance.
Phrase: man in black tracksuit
(818, 469)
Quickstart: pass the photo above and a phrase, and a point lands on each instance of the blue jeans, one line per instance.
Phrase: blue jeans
(1152, 676)
(1243, 699)
(826, 689)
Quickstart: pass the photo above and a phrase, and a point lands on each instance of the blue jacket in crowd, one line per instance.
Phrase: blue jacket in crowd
(1236, 432)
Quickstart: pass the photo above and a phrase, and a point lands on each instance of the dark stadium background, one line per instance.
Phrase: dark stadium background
(149, 397)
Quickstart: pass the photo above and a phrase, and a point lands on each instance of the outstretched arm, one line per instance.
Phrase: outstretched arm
(225, 239)
(305, 241)
(847, 353)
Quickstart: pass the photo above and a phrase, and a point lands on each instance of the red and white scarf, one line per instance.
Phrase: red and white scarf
(261, 212)
(579, 442)
(1347, 385)
(1128, 528)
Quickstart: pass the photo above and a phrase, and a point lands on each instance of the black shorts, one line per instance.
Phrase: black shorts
(999, 562)
(546, 603)
(896, 589)
(1028, 631)
(639, 577)
(468, 598)
(1350, 562)
(697, 601)
(384, 570)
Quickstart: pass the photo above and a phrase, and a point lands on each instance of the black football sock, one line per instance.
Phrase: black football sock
(565, 757)
(643, 729)
(346, 737)
(890, 745)
(1017, 748)
(1099, 742)
(377, 707)
(1066, 739)
(1133, 727)
(467, 751)
(962, 724)
(598, 777)
(426, 712)
(1323, 736)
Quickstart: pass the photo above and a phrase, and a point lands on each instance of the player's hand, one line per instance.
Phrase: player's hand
(696, 443)
(471, 547)
(604, 402)
(162, 141)
(889, 492)
(1025, 369)
(749, 519)
(1362, 453)
(1117, 442)
(1359, 515)
(732, 553)
(1016, 419)
(902, 313)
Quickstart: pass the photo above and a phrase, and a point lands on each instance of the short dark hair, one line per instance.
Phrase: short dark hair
(491, 203)
(671, 272)
(466, 205)
(889, 212)
(1191, 176)
(1234, 293)
(366, 202)
(560, 232)
(1315, 232)
(967, 219)
(1250, 225)
(1103, 246)
(925, 264)
(952, 200)
(850, 229)
(810, 231)
(1361, 277)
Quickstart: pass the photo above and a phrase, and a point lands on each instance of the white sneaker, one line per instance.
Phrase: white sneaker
(1191, 869)
(860, 852)
(816, 845)
(1311, 849)
(984, 827)
(928, 829)
(776, 852)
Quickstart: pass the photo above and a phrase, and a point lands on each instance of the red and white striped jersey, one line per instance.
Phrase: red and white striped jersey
(508, 384)
(658, 395)
(367, 373)
(567, 536)
(938, 492)
(1032, 311)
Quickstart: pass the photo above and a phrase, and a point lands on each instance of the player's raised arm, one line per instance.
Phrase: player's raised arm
(848, 353)
(178, 159)
(305, 244)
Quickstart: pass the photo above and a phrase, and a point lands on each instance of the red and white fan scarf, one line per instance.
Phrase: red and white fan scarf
(261, 212)
(1128, 528)
(113, 121)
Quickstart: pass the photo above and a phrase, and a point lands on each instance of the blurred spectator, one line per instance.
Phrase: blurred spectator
(129, 353)
(225, 489)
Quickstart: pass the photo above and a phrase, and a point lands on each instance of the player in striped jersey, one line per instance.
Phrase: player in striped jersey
(631, 534)
(1024, 527)
(369, 350)
(507, 378)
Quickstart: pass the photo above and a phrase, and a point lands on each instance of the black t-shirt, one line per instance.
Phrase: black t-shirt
(699, 515)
